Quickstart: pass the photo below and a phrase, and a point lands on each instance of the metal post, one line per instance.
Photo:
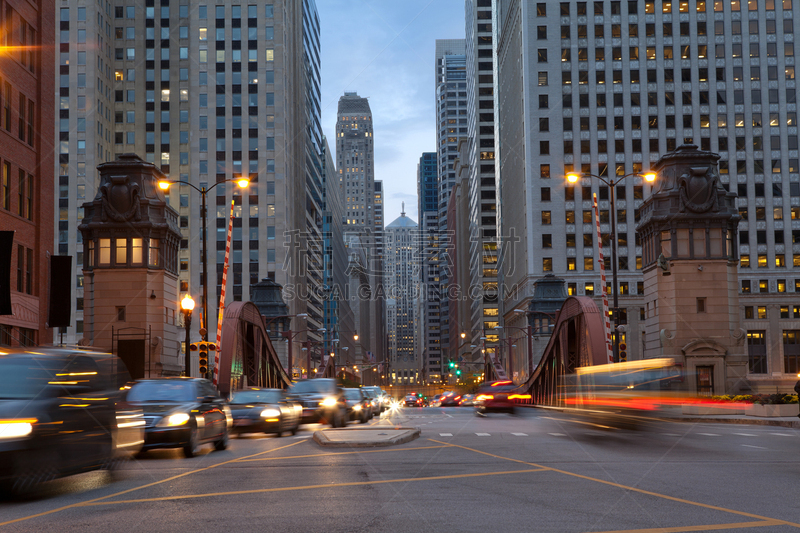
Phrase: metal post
(614, 271)
(308, 355)
(530, 349)
(187, 320)
(289, 355)
(205, 262)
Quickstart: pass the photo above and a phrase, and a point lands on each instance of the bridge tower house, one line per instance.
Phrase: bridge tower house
(130, 269)
(689, 242)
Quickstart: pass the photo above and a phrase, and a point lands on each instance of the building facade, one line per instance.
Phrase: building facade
(427, 268)
(206, 92)
(26, 162)
(605, 89)
(400, 235)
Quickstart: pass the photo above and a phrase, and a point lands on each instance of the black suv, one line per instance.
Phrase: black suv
(322, 400)
(62, 412)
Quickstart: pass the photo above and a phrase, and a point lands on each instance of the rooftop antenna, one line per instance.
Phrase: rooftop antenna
(403, 211)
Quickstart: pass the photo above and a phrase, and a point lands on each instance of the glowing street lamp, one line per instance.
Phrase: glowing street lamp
(187, 304)
(164, 185)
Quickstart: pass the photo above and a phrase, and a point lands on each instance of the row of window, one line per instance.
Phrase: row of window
(17, 336)
(763, 286)
(757, 351)
(25, 189)
(650, 7)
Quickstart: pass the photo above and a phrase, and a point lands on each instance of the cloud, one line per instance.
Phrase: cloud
(384, 50)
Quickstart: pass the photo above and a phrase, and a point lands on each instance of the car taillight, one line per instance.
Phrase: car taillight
(483, 397)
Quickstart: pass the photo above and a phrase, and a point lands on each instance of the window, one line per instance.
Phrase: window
(546, 220)
(791, 351)
(757, 352)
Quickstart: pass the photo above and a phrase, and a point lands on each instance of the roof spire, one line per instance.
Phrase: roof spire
(403, 211)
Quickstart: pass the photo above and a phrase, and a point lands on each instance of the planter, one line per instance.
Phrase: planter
(723, 409)
(775, 410)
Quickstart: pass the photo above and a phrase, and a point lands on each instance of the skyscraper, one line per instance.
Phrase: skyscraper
(483, 207)
(611, 97)
(427, 267)
(234, 97)
(400, 238)
(451, 124)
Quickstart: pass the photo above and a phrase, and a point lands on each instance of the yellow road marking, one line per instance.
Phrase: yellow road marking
(339, 453)
(94, 503)
(626, 487)
(44, 513)
(740, 525)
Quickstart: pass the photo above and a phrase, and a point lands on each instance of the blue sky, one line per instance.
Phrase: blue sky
(384, 50)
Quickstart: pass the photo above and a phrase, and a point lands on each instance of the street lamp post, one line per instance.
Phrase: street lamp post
(187, 304)
(165, 185)
(650, 177)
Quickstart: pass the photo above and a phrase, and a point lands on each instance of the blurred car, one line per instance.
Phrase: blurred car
(181, 412)
(62, 412)
(468, 400)
(436, 401)
(382, 397)
(322, 400)
(493, 397)
(257, 410)
(374, 403)
(358, 405)
(450, 399)
(412, 400)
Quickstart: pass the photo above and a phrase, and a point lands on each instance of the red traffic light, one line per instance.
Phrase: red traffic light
(623, 346)
(193, 347)
(211, 346)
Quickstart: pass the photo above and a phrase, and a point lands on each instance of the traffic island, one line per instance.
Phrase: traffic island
(365, 437)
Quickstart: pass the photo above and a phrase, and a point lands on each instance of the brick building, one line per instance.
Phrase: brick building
(26, 163)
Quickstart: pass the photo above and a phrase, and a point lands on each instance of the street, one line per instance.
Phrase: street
(540, 471)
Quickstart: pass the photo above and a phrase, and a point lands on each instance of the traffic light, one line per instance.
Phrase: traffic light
(623, 353)
(452, 364)
(204, 348)
(458, 372)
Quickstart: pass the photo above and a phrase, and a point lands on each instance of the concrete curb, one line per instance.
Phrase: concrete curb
(322, 437)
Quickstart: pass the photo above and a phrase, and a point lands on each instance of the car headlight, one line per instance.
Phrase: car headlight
(177, 419)
(11, 429)
(328, 402)
(357, 407)
(270, 413)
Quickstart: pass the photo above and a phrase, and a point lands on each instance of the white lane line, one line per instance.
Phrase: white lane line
(710, 434)
(745, 434)
(520, 434)
(751, 446)
(303, 437)
(782, 434)
(484, 434)
(558, 434)
(445, 434)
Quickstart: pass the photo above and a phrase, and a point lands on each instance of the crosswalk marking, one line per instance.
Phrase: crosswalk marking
(302, 436)
(782, 434)
(445, 434)
(558, 434)
(751, 446)
(520, 434)
(710, 434)
(484, 434)
(745, 434)
(671, 434)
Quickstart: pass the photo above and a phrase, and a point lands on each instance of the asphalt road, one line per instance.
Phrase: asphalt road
(541, 471)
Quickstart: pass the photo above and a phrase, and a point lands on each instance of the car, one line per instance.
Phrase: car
(449, 399)
(382, 397)
(374, 403)
(467, 400)
(358, 405)
(181, 412)
(62, 412)
(412, 400)
(257, 410)
(322, 400)
(436, 401)
(493, 397)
